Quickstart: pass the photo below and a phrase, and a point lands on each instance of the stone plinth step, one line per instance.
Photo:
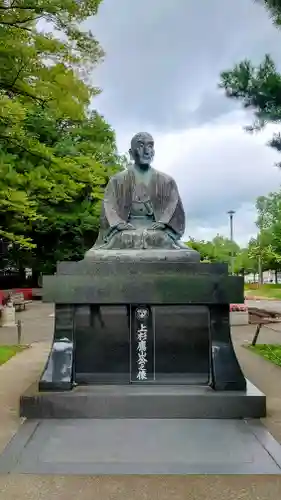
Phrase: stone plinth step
(143, 401)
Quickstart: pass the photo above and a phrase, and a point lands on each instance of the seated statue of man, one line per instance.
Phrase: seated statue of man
(142, 208)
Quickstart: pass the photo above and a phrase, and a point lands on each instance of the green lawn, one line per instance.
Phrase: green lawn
(267, 291)
(8, 351)
(268, 351)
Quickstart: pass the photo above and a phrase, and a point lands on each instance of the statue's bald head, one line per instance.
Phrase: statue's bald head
(141, 137)
(142, 149)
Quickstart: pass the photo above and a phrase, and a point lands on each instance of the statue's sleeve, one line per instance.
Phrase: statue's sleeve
(173, 213)
(110, 204)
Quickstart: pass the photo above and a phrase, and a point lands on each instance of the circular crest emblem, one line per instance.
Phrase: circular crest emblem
(142, 313)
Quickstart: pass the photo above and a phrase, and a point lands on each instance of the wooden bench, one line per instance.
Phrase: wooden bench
(261, 317)
(19, 301)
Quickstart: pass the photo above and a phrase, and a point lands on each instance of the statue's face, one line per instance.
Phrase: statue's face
(142, 150)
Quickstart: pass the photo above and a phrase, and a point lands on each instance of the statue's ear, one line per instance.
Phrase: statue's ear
(131, 154)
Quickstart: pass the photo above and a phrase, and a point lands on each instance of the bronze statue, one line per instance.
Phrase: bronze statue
(142, 208)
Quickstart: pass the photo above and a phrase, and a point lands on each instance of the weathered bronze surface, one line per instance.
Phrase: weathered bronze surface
(142, 208)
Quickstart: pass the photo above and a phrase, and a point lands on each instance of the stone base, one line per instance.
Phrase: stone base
(97, 255)
(134, 401)
(108, 313)
(152, 448)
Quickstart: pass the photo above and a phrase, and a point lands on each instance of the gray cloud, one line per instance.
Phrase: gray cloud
(165, 57)
(161, 73)
(219, 167)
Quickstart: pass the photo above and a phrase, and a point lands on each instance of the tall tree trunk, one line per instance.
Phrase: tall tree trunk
(22, 276)
(260, 271)
(35, 278)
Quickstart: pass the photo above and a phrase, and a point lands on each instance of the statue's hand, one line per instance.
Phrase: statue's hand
(158, 225)
(125, 226)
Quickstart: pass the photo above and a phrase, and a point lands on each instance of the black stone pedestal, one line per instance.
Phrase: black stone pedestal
(158, 322)
(142, 335)
(153, 344)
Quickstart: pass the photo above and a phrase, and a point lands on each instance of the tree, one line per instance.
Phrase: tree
(258, 87)
(245, 263)
(269, 224)
(218, 250)
(41, 69)
(66, 226)
(225, 248)
(51, 68)
(55, 155)
(264, 251)
(205, 248)
(274, 9)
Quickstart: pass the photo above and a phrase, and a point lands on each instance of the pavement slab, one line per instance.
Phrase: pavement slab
(263, 303)
(32, 487)
(142, 446)
(22, 370)
(37, 325)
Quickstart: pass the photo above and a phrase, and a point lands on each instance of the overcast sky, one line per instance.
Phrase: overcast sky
(160, 75)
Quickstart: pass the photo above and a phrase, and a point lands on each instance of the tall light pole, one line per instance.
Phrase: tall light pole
(231, 214)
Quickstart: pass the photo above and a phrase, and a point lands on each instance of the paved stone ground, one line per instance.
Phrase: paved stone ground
(142, 446)
(271, 305)
(27, 487)
(265, 375)
(16, 376)
(37, 325)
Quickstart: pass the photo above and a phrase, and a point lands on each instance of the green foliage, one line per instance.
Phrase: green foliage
(267, 290)
(55, 155)
(219, 249)
(8, 351)
(68, 192)
(268, 243)
(245, 262)
(271, 352)
(205, 248)
(258, 87)
(265, 249)
(274, 9)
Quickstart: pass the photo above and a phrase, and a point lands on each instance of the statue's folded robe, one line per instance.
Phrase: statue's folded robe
(163, 194)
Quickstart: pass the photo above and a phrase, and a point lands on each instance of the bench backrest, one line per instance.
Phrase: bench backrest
(17, 298)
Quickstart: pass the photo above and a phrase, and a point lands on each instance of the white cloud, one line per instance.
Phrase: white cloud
(243, 224)
(217, 167)
(160, 74)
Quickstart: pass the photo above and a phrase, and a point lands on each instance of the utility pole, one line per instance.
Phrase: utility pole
(231, 214)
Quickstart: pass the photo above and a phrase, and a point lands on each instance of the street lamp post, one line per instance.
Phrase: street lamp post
(231, 214)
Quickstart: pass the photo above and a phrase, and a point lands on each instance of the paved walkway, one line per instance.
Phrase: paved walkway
(122, 446)
(17, 375)
(27, 487)
(265, 375)
(37, 325)
(270, 305)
